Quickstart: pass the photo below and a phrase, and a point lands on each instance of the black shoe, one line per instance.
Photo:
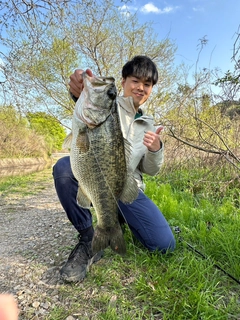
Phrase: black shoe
(75, 269)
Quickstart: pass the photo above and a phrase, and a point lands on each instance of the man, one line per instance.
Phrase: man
(145, 220)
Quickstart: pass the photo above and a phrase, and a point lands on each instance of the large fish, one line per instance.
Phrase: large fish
(99, 159)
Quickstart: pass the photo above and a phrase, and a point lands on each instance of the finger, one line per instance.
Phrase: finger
(8, 307)
(75, 90)
(89, 72)
(75, 84)
(159, 129)
(148, 139)
(77, 75)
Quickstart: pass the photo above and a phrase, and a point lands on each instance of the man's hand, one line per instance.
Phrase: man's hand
(152, 140)
(76, 82)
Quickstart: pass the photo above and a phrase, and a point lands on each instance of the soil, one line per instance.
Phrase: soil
(35, 240)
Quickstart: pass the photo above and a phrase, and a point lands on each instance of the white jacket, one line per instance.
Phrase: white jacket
(142, 160)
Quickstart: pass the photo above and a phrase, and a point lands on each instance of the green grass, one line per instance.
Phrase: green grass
(24, 185)
(179, 285)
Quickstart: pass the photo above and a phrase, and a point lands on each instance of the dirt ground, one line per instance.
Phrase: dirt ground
(35, 239)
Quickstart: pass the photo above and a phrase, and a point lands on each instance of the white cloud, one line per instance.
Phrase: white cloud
(197, 9)
(127, 10)
(151, 8)
(147, 8)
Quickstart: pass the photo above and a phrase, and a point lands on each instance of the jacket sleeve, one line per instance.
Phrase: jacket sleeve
(152, 161)
(73, 97)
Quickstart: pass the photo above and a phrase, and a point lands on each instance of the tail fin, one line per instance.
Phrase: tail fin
(112, 237)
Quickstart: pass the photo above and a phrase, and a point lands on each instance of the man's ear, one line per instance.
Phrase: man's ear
(123, 81)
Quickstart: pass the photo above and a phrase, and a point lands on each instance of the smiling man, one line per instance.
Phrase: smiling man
(138, 81)
(143, 217)
(139, 89)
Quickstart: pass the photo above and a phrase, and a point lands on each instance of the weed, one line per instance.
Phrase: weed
(175, 286)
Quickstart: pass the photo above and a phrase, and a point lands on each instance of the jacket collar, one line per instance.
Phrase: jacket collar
(126, 103)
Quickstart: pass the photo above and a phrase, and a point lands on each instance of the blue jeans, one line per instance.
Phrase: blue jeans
(143, 217)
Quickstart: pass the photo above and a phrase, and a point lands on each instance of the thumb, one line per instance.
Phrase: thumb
(89, 72)
(159, 129)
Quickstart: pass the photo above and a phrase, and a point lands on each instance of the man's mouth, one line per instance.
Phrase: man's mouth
(138, 94)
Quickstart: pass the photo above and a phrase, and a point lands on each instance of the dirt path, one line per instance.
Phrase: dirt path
(35, 236)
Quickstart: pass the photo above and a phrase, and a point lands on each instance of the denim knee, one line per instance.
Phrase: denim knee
(62, 168)
(164, 244)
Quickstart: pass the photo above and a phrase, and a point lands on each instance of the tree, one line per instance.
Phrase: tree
(17, 140)
(40, 55)
(197, 123)
(230, 82)
(48, 127)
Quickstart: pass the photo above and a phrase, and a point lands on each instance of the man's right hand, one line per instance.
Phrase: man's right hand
(76, 82)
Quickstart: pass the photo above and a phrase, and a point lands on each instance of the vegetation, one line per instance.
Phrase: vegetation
(16, 138)
(36, 135)
(94, 35)
(190, 112)
(100, 36)
(198, 188)
(48, 127)
(178, 285)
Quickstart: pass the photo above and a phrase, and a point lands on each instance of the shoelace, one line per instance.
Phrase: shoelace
(74, 253)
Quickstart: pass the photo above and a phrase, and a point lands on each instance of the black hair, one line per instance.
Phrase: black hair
(141, 67)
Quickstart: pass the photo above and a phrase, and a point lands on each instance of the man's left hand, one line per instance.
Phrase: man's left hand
(152, 140)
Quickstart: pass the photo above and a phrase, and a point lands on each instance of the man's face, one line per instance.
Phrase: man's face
(138, 89)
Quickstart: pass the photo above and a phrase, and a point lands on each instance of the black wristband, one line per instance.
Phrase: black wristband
(73, 97)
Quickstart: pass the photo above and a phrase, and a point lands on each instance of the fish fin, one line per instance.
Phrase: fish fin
(130, 190)
(68, 140)
(82, 142)
(112, 237)
(82, 200)
(128, 150)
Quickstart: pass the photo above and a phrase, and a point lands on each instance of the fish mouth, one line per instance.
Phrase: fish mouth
(112, 92)
(98, 81)
(100, 84)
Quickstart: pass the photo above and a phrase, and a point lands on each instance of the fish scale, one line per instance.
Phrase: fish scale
(99, 159)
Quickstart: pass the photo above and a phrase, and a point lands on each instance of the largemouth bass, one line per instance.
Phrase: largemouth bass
(99, 159)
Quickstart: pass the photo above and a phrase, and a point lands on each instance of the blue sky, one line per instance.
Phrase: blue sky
(187, 21)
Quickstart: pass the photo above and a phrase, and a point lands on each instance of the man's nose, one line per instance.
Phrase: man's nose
(140, 86)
